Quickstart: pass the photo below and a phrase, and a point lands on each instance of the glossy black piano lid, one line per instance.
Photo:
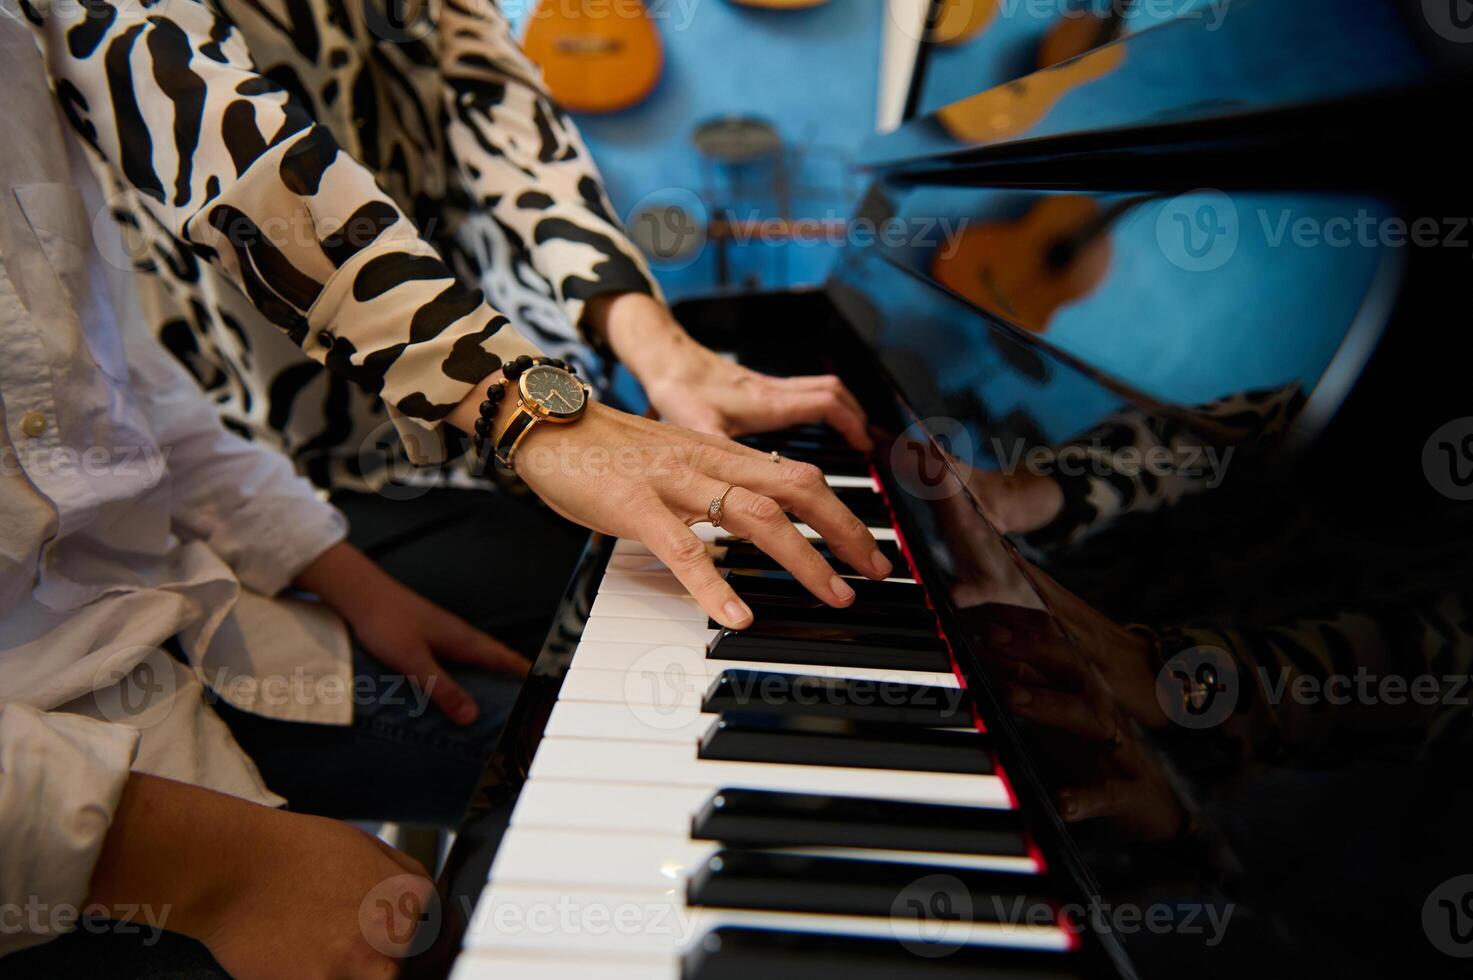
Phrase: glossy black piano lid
(1305, 526)
(1178, 61)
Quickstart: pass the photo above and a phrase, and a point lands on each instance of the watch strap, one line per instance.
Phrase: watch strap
(516, 428)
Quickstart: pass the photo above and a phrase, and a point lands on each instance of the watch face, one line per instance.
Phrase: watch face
(554, 390)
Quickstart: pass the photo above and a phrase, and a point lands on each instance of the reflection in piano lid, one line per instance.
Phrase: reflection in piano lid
(1171, 676)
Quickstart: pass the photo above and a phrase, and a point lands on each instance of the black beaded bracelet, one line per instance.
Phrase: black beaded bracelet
(496, 393)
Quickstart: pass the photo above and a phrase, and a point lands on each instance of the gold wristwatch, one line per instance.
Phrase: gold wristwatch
(547, 391)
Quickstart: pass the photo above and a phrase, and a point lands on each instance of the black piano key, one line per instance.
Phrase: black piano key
(864, 504)
(813, 740)
(733, 953)
(860, 699)
(779, 643)
(775, 882)
(816, 435)
(837, 460)
(766, 584)
(766, 818)
(742, 554)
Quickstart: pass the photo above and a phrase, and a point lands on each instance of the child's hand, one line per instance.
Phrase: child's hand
(405, 631)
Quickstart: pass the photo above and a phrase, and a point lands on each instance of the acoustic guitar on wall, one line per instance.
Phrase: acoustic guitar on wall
(596, 56)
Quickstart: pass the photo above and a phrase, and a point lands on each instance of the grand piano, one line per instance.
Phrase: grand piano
(1166, 346)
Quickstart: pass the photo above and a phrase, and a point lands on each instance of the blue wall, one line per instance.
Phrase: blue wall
(813, 73)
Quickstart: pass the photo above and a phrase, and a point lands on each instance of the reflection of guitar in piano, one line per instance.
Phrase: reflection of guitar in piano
(1026, 270)
(1012, 109)
(595, 57)
(1083, 30)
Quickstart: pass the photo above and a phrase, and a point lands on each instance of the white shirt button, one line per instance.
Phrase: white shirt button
(33, 424)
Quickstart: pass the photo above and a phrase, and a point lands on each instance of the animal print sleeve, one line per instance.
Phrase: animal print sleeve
(169, 98)
(522, 158)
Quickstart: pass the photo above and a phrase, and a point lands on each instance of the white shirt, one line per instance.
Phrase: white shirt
(128, 515)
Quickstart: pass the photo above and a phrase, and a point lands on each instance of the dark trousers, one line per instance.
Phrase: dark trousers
(498, 560)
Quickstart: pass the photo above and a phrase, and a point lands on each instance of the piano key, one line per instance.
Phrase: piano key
(839, 480)
(814, 435)
(623, 629)
(594, 857)
(776, 643)
(713, 535)
(648, 606)
(674, 763)
(774, 954)
(686, 669)
(839, 697)
(743, 554)
(766, 818)
(864, 503)
(808, 740)
(755, 584)
(791, 614)
(782, 881)
(986, 838)
(573, 920)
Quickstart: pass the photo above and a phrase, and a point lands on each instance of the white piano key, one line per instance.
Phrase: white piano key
(839, 481)
(571, 920)
(660, 721)
(675, 763)
(649, 860)
(591, 719)
(605, 808)
(648, 606)
(621, 582)
(625, 630)
(680, 667)
(613, 807)
(716, 536)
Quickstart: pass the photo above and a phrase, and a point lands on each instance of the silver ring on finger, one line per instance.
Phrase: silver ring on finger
(713, 512)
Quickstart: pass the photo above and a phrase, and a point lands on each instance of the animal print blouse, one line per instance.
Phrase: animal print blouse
(336, 178)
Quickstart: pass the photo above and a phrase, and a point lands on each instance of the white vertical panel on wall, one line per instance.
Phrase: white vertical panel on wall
(899, 41)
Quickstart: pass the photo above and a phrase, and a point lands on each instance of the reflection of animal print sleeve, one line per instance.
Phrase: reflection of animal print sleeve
(1395, 670)
(1138, 463)
(169, 96)
(524, 161)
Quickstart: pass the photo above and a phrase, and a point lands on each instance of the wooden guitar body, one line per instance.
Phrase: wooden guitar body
(1015, 269)
(596, 55)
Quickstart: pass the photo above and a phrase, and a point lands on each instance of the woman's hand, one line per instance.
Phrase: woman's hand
(635, 478)
(405, 631)
(695, 387)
